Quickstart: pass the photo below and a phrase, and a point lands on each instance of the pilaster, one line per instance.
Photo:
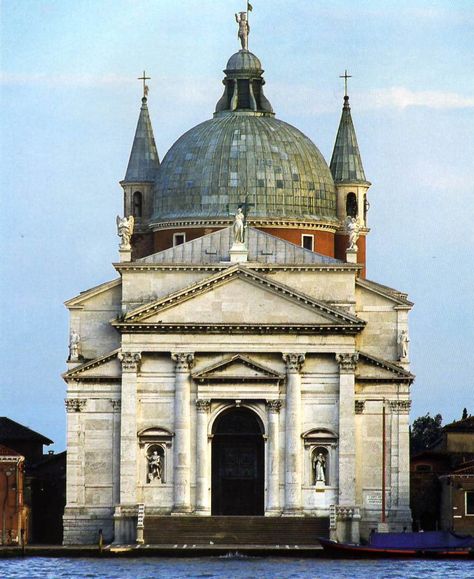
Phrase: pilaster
(128, 427)
(273, 458)
(294, 363)
(182, 429)
(202, 451)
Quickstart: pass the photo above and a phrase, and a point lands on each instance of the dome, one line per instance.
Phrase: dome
(216, 165)
(243, 61)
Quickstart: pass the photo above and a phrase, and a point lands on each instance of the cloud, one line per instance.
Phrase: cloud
(402, 98)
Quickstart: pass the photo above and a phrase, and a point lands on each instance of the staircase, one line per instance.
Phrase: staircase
(182, 530)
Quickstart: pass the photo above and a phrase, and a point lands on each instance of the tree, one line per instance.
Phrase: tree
(425, 431)
(464, 414)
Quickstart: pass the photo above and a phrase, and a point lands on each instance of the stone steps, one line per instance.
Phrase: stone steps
(162, 530)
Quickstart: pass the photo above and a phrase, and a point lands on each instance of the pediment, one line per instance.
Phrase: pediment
(102, 368)
(376, 369)
(240, 296)
(237, 368)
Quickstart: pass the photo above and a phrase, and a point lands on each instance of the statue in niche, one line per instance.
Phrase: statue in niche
(125, 231)
(404, 340)
(155, 466)
(244, 29)
(352, 228)
(238, 228)
(319, 467)
(74, 346)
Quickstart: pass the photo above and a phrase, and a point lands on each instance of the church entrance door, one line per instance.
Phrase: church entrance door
(238, 464)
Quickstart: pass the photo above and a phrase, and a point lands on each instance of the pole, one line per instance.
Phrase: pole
(383, 462)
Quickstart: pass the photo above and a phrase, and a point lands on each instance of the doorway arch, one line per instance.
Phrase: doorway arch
(238, 464)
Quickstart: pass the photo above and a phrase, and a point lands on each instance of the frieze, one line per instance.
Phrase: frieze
(75, 404)
(347, 362)
(273, 406)
(400, 406)
(294, 362)
(130, 361)
(184, 361)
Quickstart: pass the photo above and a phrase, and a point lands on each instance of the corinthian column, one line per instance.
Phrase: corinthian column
(273, 457)
(128, 428)
(202, 482)
(347, 483)
(294, 362)
(182, 433)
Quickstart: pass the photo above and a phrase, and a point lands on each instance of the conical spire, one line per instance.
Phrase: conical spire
(144, 160)
(346, 164)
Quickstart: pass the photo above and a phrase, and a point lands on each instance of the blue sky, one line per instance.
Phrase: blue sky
(70, 102)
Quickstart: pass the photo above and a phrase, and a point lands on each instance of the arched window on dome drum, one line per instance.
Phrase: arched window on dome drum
(137, 204)
(351, 205)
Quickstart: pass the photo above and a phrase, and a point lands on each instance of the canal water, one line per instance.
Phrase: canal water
(232, 567)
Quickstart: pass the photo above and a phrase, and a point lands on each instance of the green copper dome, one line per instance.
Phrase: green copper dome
(244, 153)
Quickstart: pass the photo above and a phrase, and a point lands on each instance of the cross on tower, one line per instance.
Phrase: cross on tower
(345, 76)
(144, 78)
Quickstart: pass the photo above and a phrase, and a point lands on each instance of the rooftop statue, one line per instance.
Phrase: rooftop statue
(238, 227)
(125, 230)
(352, 228)
(244, 29)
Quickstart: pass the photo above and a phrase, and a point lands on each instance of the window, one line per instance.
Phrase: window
(351, 205)
(307, 241)
(179, 239)
(469, 502)
(137, 204)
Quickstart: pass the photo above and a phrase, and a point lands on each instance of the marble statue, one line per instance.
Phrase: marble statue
(319, 468)
(155, 467)
(125, 230)
(238, 227)
(404, 341)
(352, 228)
(244, 29)
(74, 345)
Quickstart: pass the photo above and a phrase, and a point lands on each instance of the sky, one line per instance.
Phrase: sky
(70, 100)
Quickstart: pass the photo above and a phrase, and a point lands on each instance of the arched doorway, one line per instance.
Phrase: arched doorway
(237, 464)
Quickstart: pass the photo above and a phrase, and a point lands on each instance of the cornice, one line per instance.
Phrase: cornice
(78, 370)
(253, 266)
(400, 374)
(321, 224)
(76, 301)
(183, 328)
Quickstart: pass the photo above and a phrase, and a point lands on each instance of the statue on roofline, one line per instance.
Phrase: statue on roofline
(244, 29)
(352, 229)
(125, 231)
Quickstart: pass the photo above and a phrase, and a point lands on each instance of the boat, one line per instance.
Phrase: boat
(430, 544)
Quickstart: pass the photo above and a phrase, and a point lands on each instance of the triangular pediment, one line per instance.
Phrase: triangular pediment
(237, 367)
(240, 296)
(105, 367)
(377, 369)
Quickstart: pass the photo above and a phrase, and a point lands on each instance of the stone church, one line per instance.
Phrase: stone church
(241, 364)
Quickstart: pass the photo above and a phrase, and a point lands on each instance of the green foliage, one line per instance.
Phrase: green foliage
(464, 414)
(425, 431)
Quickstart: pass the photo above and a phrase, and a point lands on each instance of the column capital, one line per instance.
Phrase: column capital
(273, 406)
(184, 361)
(347, 362)
(400, 406)
(130, 360)
(294, 362)
(75, 404)
(203, 406)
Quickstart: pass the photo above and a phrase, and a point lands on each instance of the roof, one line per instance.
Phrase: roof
(144, 160)
(11, 430)
(346, 164)
(215, 247)
(461, 425)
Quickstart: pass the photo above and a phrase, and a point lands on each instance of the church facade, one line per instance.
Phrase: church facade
(240, 364)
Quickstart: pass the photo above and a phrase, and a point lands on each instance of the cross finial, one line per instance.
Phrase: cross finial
(144, 78)
(345, 76)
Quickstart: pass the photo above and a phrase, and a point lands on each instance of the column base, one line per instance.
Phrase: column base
(273, 513)
(202, 512)
(293, 513)
(182, 512)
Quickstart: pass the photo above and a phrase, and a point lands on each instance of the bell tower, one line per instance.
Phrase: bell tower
(351, 184)
(139, 179)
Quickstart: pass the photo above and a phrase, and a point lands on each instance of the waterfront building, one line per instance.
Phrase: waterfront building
(241, 363)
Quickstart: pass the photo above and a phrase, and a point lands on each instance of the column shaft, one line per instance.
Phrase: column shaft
(202, 482)
(273, 456)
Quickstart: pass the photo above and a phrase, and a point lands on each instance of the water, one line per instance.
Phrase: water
(232, 567)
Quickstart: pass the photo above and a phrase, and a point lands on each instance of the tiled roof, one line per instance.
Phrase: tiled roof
(11, 430)
(144, 160)
(346, 164)
(5, 451)
(466, 424)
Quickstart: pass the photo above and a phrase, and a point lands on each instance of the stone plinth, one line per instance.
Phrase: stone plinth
(238, 253)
